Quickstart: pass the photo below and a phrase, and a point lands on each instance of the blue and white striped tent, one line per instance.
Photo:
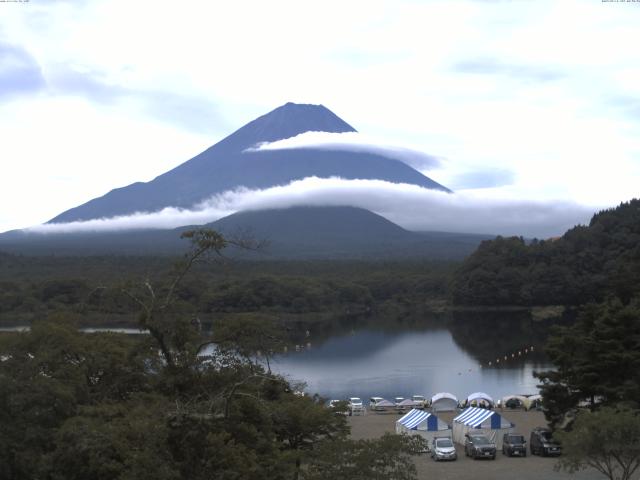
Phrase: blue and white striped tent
(481, 420)
(425, 424)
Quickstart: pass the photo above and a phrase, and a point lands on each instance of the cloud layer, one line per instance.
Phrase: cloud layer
(20, 74)
(410, 206)
(354, 142)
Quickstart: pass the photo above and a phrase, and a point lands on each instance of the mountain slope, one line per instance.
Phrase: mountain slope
(342, 232)
(227, 165)
(299, 232)
(311, 227)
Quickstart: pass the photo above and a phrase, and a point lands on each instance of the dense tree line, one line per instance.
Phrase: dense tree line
(93, 287)
(586, 264)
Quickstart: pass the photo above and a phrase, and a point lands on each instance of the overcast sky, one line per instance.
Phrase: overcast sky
(509, 102)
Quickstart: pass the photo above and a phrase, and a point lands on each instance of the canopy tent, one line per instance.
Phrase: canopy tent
(407, 403)
(478, 398)
(444, 402)
(425, 424)
(509, 400)
(383, 405)
(532, 401)
(481, 420)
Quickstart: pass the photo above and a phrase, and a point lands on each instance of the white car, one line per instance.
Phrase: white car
(373, 401)
(397, 400)
(442, 448)
(356, 407)
(419, 400)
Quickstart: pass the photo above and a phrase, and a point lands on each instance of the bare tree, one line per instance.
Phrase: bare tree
(175, 333)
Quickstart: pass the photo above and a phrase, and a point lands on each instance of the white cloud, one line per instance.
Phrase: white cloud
(354, 142)
(68, 152)
(410, 206)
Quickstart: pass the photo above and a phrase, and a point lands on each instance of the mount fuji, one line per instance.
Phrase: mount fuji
(234, 162)
(237, 161)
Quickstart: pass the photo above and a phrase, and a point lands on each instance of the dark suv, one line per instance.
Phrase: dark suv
(514, 444)
(542, 443)
(479, 446)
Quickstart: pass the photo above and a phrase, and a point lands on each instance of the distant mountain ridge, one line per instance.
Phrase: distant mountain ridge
(228, 165)
(292, 233)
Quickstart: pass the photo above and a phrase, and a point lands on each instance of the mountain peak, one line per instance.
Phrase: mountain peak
(286, 121)
(230, 164)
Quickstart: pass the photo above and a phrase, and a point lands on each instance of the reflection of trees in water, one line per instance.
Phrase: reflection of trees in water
(485, 335)
(316, 330)
(490, 336)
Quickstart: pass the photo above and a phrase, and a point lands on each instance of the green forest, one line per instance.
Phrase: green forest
(588, 263)
(93, 288)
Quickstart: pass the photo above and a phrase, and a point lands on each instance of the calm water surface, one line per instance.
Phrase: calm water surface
(388, 364)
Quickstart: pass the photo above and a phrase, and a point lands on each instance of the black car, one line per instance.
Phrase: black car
(543, 443)
(514, 444)
(479, 446)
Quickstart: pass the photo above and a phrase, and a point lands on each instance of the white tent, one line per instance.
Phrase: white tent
(521, 398)
(407, 404)
(479, 397)
(481, 420)
(383, 405)
(532, 401)
(444, 402)
(425, 424)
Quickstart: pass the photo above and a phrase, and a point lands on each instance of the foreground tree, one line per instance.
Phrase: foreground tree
(301, 423)
(597, 360)
(124, 440)
(607, 440)
(387, 458)
(168, 405)
(176, 334)
(255, 338)
(47, 376)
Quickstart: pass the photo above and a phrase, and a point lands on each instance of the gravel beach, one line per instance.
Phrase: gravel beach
(373, 425)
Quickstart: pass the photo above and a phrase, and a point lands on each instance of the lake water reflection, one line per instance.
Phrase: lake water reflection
(387, 363)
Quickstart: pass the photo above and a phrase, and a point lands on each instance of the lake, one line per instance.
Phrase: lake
(407, 360)
(460, 353)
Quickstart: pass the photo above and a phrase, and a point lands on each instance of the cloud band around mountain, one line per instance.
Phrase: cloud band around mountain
(353, 142)
(410, 206)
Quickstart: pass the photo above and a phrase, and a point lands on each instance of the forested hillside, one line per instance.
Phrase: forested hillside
(586, 264)
(93, 288)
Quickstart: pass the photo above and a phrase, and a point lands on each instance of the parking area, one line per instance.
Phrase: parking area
(373, 425)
